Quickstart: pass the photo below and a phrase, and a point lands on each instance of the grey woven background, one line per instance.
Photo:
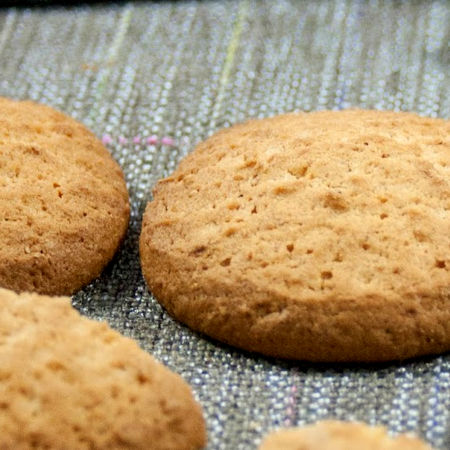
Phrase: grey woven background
(181, 70)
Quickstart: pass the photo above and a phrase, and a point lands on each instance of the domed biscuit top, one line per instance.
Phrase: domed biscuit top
(322, 236)
(70, 383)
(334, 435)
(63, 201)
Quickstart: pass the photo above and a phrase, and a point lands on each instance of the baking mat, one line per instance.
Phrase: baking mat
(152, 80)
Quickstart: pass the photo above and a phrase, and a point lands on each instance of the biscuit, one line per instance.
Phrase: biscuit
(334, 435)
(63, 201)
(317, 236)
(67, 382)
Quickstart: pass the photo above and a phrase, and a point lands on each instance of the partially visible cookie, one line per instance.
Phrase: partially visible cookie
(334, 435)
(63, 201)
(70, 383)
(322, 236)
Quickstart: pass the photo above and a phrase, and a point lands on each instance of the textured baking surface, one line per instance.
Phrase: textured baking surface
(67, 382)
(186, 69)
(334, 435)
(322, 236)
(63, 201)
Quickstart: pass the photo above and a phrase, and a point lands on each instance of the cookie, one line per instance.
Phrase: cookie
(63, 201)
(67, 382)
(334, 435)
(318, 236)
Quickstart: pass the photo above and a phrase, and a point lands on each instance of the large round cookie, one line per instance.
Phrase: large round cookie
(321, 236)
(334, 435)
(70, 383)
(63, 201)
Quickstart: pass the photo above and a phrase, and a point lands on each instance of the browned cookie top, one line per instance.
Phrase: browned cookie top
(321, 236)
(334, 435)
(63, 201)
(70, 383)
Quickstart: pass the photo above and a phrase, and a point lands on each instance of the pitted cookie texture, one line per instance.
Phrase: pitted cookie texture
(67, 382)
(334, 435)
(63, 201)
(320, 236)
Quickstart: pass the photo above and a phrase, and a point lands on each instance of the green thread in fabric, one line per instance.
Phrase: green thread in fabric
(229, 58)
(111, 57)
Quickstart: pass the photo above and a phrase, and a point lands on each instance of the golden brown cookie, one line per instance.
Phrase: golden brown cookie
(334, 435)
(63, 201)
(67, 382)
(321, 236)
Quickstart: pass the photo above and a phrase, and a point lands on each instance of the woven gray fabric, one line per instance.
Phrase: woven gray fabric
(153, 79)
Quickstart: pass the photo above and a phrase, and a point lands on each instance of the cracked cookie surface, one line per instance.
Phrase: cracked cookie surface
(67, 382)
(321, 236)
(63, 201)
(335, 435)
